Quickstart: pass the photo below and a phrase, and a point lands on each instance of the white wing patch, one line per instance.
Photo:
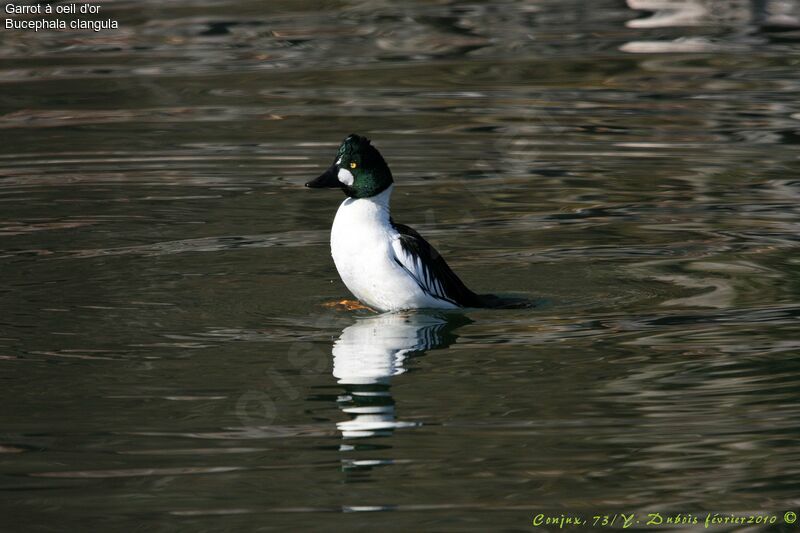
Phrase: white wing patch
(423, 275)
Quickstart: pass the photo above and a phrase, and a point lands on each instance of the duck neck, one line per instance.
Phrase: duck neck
(376, 207)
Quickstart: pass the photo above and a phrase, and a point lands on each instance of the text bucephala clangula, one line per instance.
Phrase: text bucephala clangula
(387, 266)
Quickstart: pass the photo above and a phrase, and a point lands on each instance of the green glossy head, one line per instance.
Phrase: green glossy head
(359, 170)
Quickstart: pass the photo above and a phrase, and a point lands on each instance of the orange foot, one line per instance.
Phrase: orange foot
(347, 305)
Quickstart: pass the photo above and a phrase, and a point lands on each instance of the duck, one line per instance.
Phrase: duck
(387, 266)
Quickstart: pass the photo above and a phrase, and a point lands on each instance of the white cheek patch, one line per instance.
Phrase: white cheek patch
(345, 176)
(339, 161)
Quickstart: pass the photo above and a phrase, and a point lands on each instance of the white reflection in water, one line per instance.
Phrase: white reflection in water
(741, 15)
(670, 13)
(369, 353)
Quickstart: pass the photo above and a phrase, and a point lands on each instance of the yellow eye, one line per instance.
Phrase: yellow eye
(353, 164)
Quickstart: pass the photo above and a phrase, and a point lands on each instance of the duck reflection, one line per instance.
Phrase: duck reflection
(369, 353)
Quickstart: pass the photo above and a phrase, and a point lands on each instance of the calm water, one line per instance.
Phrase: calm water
(166, 360)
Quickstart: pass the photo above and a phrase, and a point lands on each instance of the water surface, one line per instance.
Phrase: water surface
(166, 360)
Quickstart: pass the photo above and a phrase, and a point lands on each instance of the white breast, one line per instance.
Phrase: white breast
(361, 246)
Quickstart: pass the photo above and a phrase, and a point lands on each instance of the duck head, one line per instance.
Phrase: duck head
(359, 170)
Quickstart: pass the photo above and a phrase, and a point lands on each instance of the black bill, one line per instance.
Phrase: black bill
(328, 179)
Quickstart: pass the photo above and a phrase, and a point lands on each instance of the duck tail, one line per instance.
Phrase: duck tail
(493, 301)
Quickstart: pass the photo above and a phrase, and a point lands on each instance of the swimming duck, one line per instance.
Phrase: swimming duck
(387, 266)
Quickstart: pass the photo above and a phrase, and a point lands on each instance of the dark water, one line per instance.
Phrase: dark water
(166, 361)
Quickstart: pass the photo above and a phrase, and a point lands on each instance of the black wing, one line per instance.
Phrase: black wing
(429, 269)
